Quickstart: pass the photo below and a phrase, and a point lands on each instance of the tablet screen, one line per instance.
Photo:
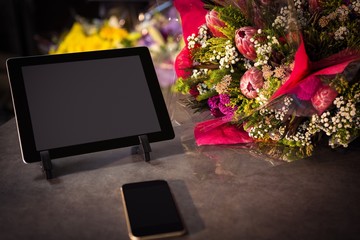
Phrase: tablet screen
(77, 103)
(87, 101)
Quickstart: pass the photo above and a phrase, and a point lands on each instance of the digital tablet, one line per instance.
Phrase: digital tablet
(77, 103)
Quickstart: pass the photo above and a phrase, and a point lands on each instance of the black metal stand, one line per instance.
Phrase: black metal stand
(46, 164)
(145, 147)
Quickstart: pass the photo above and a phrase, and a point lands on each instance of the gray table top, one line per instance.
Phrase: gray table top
(222, 192)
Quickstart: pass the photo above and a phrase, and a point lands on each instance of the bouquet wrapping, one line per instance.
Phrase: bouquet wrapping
(280, 74)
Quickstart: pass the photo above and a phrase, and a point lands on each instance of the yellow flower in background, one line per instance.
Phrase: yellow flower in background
(113, 34)
(82, 38)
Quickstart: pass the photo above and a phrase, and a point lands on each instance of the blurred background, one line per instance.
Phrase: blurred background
(33, 27)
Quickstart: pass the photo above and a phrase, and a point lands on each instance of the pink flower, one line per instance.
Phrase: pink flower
(243, 43)
(251, 82)
(323, 98)
(214, 23)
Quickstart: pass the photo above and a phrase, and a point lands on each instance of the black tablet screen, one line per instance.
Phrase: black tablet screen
(87, 101)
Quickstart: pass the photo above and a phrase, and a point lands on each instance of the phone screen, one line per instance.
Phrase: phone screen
(151, 210)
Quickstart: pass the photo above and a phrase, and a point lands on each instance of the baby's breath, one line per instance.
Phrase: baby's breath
(199, 72)
(202, 88)
(272, 119)
(355, 6)
(301, 15)
(338, 125)
(199, 38)
(341, 33)
(264, 50)
(302, 136)
(343, 13)
(282, 19)
(227, 58)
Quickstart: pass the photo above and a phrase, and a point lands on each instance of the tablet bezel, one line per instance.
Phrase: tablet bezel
(22, 111)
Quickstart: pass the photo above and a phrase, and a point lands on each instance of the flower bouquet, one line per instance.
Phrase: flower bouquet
(279, 74)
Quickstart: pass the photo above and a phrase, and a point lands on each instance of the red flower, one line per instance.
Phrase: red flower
(214, 23)
(323, 98)
(250, 82)
(183, 63)
(243, 43)
(194, 92)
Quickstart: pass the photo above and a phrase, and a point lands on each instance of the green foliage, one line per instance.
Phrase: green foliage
(215, 76)
(181, 86)
(340, 84)
(218, 74)
(233, 18)
(251, 120)
(354, 90)
(245, 107)
(184, 85)
(344, 88)
(273, 84)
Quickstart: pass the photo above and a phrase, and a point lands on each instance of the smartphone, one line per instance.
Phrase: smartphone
(151, 211)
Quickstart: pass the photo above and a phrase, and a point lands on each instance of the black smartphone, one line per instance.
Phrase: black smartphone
(151, 211)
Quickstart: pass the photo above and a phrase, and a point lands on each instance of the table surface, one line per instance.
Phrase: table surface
(222, 192)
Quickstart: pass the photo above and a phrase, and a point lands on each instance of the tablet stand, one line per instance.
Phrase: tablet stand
(144, 142)
(46, 164)
(145, 145)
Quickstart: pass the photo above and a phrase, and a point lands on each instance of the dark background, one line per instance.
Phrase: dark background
(28, 26)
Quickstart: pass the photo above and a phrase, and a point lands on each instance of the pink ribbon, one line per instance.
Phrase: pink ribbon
(303, 81)
(192, 15)
(219, 131)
